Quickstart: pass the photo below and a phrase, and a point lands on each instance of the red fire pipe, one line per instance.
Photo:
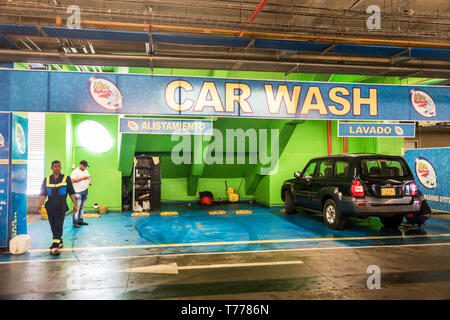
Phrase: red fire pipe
(252, 17)
(344, 142)
(329, 136)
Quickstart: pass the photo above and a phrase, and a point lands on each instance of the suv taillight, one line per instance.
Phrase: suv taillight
(357, 189)
(413, 188)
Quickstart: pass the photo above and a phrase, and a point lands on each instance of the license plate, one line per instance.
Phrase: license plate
(387, 192)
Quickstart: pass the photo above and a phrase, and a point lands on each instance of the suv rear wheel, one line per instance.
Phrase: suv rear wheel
(391, 222)
(289, 203)
(333, 216)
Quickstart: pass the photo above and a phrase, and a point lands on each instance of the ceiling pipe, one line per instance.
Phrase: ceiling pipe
(271, 35)
(250, 20)
(8, 55)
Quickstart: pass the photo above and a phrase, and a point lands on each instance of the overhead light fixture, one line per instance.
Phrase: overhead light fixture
(94, 137)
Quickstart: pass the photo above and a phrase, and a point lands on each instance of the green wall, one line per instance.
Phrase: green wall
(62, 144)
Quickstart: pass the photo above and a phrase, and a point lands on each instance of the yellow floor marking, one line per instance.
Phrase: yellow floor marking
(244, 242)
(217, 212)
(243, 212)
(91, 215)
(140, 214)
(169, 213)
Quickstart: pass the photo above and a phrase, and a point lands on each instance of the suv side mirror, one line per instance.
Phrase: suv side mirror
(297, 174)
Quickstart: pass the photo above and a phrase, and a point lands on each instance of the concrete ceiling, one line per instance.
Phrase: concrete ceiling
(419, 23)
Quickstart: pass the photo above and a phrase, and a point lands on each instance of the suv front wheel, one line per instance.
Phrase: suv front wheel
(333, 216)
(392, 222)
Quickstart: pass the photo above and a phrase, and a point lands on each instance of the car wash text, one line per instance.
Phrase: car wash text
(180, 95)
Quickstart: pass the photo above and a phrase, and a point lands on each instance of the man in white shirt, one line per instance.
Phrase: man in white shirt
(81, 181)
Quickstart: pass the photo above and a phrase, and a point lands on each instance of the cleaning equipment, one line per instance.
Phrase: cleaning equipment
(44, 215)
(206, 198)
(102, 209)
(145, 205)
(19, 244)
(232, 196)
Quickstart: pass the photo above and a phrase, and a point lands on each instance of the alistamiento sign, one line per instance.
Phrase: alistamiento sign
(166, 126)
(70, 92)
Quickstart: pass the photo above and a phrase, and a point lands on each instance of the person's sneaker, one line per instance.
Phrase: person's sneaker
(76, 225)
(54, 249)
(61, 245)
(407, 225)
(82, 223)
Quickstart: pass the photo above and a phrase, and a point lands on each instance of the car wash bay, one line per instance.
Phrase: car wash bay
(262, 254)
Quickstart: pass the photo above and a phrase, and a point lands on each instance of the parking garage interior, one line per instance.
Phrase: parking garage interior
(246, 249)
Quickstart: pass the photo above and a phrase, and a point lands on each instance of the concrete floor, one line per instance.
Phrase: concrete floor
(267, 255)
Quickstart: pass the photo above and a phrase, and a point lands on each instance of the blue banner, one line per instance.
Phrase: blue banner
(19, 148)
(77, 92)
(4, 177)
(431, 169)
(166, 126)
(365, 129)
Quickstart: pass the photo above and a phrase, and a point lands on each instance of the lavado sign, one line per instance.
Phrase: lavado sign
(49, 91)
(358, 129)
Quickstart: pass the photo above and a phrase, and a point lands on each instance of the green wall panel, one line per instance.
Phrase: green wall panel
(103, 167)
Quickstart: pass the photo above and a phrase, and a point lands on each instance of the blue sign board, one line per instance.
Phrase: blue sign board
(431, 170)
(4, 177)
(365, 129)
(166, 126)
(79, 92)
(19, 148)
(13, 176)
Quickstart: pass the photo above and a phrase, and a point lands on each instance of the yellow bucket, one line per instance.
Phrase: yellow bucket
(102, 209)
(44, 215)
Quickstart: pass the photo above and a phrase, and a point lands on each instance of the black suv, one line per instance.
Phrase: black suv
(359, 185)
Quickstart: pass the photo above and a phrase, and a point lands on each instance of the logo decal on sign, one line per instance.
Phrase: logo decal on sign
(133, 125)
(423, 103)
(20, 139)
(398, 130)
(105, 93)
(426, 173)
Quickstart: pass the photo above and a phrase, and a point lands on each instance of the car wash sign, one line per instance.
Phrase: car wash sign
(166, 126)
(365, 129)
(431, 170)
(77, 92)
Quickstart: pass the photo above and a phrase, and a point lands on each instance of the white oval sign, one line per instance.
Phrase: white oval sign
(105, 93)
(20, 139)
(426, 173)
(423, 103)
